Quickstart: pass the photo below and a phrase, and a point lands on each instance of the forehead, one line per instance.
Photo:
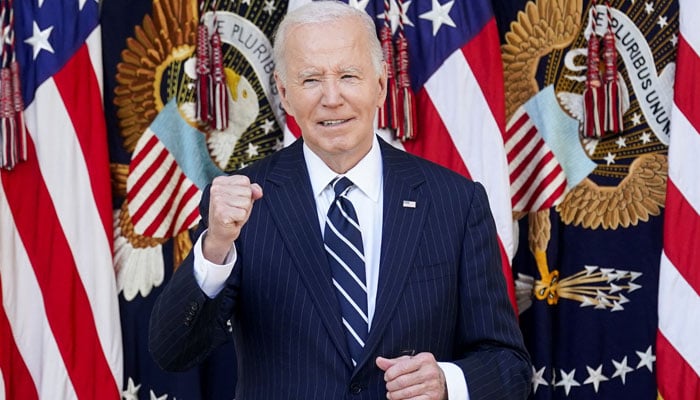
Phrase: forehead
(337, 44)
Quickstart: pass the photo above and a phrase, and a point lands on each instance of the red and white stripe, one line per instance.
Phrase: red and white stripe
(678, 358)
(537, 181)
(449, 133)
(162, 201)
(59, 321)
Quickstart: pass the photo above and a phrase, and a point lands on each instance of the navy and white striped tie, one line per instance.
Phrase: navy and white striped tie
(343, 243)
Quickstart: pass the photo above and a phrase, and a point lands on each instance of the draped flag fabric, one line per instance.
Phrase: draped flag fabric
(162, 155)
(455, 65)
(590, 210)
(59, 322)
(679, 281)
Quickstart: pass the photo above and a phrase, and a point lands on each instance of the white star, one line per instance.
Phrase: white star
(621, 142)
(663, 21)
(538, 379)
(154, 397)
(621, 369)
(279, 145)
(440, 14)
(567, 380)
(674, 39)
(359, 4)
(649, 7)
(610, 158)
(394, 15)
(81, 3)
(40, 39)
(269, 6)
(267, 126)
(252, 150)
(636, 119)
(646, 359)
(645, 138)
(132, 391)
(246, 2)
(595, 376)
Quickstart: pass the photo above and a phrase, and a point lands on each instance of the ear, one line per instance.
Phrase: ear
(282, 90)
(382, 86)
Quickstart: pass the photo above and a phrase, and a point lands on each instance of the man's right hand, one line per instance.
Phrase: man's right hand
(230, 202)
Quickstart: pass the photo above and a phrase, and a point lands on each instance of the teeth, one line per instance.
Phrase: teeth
(333, 122)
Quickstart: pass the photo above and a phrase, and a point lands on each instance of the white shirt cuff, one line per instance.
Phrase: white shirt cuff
(211, 277)
(456, 383)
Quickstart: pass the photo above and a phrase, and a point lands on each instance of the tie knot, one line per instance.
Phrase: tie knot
(340, 185)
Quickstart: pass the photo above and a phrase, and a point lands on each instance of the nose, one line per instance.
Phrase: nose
(332, 93)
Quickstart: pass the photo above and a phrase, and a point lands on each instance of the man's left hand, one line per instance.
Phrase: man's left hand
(413, 377)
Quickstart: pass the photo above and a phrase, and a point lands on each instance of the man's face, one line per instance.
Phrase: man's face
(332, 90)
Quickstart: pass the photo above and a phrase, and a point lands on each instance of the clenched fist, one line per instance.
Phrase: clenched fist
(230, 202)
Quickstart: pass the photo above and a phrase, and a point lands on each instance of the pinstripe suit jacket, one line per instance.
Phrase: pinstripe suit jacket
(441, 290)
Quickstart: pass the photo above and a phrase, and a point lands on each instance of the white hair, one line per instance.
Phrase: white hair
(318, 12)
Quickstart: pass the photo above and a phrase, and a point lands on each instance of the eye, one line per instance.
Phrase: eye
(310, 82)
(245, 94)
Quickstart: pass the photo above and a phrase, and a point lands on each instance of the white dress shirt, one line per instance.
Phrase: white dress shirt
(367, 197)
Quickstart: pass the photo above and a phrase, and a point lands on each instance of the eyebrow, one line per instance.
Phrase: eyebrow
(308, 74)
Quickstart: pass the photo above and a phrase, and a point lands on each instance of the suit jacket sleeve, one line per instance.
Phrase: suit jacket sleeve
(495, 362)
(186, 325)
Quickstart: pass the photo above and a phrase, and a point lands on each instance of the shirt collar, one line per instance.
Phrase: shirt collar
(366, 175)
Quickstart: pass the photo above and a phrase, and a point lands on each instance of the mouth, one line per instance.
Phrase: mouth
(333, 122)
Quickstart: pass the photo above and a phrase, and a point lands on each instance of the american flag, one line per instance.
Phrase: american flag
(455, 68)
(60, 336)
(678, 359)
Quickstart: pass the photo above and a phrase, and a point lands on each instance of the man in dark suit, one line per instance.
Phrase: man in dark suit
(390, 287)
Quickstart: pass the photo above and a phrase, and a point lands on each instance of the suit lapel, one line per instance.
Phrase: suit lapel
(293, 209)
(401, 230)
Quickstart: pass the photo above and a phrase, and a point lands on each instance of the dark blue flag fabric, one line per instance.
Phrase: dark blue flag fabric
(571, 140)
(589, 208)
(162, 156)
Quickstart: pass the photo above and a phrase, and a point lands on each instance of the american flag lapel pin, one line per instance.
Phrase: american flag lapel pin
(409, 204)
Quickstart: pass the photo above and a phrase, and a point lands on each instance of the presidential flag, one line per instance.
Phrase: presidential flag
(587, 269)
(163, 154)
(678, 358)
(60, 336)
(455, 74)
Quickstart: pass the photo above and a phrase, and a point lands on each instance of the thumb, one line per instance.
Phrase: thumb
(257, 191)
(385, 363)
